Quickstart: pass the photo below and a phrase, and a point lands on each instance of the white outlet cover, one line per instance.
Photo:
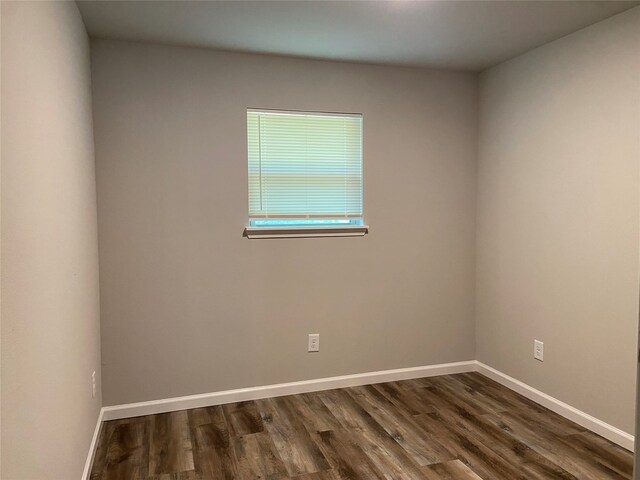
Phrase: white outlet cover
(538, 350)
(314, 342)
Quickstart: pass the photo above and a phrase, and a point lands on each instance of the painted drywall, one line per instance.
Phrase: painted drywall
(558, 211)
(50, 295)
(190, 306)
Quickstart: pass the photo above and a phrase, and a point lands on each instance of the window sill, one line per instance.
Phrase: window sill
(306, 232)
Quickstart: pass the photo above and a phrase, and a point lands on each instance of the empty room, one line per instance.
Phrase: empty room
(319, 240)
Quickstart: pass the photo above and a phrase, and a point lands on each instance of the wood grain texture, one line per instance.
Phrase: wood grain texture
(462, 427)
(170, 446)
(453, 470)
(243, 418)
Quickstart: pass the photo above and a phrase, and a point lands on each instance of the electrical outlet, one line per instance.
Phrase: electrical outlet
(314, 342)
(538, 350)
(93, 384)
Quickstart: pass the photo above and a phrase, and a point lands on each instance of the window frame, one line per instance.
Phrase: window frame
(353, 226)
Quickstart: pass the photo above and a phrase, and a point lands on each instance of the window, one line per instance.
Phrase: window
(305, 174)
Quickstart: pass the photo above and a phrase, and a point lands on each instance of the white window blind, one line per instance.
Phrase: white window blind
(304, 165)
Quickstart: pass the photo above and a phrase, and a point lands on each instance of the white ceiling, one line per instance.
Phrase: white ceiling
(470, 35)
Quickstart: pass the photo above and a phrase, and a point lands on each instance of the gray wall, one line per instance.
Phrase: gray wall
(50, 304)
(190, 306)
(558, 211)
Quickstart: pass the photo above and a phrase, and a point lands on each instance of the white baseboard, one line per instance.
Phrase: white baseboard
(93, 446)
(278, 390)
(583, 419)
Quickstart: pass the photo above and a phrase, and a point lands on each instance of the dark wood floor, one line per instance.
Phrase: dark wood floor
(455, 427)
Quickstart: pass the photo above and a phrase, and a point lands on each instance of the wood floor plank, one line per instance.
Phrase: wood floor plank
(438, 435)
(399, 425)
(170, 448)
(406, 396)
(213, 456)
(510, 449)
(485, 462)
(312, 412)
(128, 451)
(243, 418)
(494, 455)
(514, 402)
(258, 458)
(439, 392)
(473, 396)
(492, 389)
(550, 445)
(206, 415)
(100, 457)
(452, 470)
(190, 475)
(293, 442)
(213, 449)
(464, 427)
(601, 451)
(324, 475)
(347, 458)
(387, 455)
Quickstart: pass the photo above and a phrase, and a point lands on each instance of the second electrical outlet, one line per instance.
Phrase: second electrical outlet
(314, 342)
(538, 350)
